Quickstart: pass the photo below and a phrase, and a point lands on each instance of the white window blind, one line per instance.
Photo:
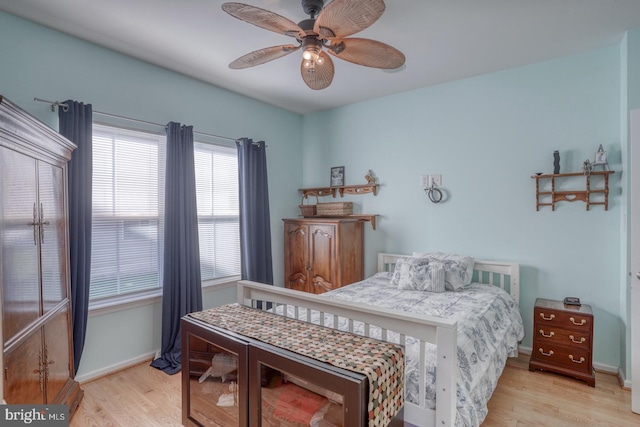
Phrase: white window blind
(128, 212)
(218, 210)
(128, 193)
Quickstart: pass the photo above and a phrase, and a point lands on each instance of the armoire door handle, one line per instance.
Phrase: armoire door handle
(33, 224)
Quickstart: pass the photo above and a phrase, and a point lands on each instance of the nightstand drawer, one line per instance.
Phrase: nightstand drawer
(546, 334)
(576, 359)
(561, 318)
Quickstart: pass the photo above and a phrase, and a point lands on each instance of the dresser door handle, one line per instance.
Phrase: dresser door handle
(551, 317)
(545, 335)
(582, 339)
(576, 361)
(546, 354)
(582, 321)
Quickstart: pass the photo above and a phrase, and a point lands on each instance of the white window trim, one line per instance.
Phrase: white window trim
(141, 299)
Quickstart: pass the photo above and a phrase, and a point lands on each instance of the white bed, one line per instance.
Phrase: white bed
(457, 402)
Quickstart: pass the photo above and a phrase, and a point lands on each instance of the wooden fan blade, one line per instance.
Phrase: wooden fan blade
(261, 56)
(320, 76)
(341, 18)
(370, 53)
(263, 19)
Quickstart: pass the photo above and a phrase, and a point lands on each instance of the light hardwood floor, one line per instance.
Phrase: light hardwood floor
(143, 396)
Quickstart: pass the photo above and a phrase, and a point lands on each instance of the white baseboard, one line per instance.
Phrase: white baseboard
(601, 367)
(90, 376)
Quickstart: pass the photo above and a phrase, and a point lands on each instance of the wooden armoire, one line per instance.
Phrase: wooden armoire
(321, 254)
(34, 262)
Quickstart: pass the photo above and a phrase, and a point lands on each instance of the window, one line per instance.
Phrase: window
(128, 198)
(218, 210)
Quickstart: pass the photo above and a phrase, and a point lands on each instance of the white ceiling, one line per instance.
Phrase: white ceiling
(443, 40)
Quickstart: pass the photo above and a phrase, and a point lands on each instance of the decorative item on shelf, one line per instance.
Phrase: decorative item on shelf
(308, 211)
(556, 162)
(587, 167)
(334, 209)
(601, 159)
(337, 176)
(370, 177)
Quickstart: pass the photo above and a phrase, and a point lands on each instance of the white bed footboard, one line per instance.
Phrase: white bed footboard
(425, 329)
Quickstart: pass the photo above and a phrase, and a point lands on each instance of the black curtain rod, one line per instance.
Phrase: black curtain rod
(65, 107)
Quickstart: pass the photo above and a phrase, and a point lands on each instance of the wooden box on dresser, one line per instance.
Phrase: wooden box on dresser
(563, 339)
(34, 262)
(321, 254)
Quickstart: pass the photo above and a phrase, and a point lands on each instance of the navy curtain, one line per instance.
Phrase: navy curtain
(182, 287)
(75, 123)
(255, 223)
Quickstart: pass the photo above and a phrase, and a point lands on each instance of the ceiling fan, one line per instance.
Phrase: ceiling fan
(326, 30)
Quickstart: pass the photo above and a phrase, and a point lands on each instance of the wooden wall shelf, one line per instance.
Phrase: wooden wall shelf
(342, 190)
(550, 197)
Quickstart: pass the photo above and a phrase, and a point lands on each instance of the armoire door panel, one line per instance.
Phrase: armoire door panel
(296, 257)
(19, 240)
(24, 374)
(52, 235)
(56, 353)
(322, 256)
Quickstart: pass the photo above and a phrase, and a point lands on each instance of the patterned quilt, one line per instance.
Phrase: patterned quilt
(489, 329)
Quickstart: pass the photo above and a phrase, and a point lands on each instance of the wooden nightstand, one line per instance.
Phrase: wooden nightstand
(563, 340)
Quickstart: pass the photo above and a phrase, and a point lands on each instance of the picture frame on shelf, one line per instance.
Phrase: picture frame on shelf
(337, 176)
(600, 157)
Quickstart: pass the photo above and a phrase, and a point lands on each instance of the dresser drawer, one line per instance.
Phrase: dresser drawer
(577, 321)
(576, 359)
(551, 335)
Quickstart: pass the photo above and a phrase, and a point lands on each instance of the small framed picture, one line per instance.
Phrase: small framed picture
(601, 156)
(337, 176)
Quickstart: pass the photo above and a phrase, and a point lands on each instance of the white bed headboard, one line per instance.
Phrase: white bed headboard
(506, 275)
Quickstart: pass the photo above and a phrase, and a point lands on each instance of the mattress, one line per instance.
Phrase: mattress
(489, 329)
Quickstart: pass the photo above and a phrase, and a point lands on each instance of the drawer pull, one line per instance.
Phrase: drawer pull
(582, 339)
(551, 317)
(582, 321)
(545, 335)
(576, 361)
(547, 354)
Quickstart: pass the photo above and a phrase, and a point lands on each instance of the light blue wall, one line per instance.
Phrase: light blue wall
(487, 135)
(39, 62)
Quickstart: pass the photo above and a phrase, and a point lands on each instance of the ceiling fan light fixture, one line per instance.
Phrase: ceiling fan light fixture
(309, 54)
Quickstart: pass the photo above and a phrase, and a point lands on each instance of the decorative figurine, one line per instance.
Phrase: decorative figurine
(587, 167)
(556, 162)
(370, 177)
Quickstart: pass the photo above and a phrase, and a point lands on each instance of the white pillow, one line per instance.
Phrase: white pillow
(437, 275)
(418, 274)
(458, 268)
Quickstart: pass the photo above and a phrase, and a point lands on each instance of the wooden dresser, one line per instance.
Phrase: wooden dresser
(34, 263)
(321, 254)
(563, 340)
